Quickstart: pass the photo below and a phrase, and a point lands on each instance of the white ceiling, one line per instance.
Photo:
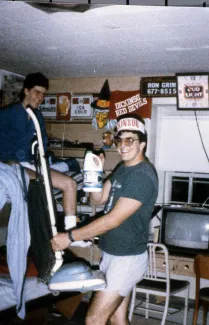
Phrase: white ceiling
(116, 40)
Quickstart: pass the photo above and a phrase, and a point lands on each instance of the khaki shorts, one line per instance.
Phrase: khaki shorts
(123, 272)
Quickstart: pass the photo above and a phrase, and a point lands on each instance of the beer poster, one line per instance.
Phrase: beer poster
(48, 107)
(81, 107)
(63, 106)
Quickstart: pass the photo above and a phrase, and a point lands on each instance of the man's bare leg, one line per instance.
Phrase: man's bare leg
(67, 185)
(120, 316)
(69, 188)
(102, 307)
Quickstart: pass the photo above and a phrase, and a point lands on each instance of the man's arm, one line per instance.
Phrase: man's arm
(99, 198)
(123, 209)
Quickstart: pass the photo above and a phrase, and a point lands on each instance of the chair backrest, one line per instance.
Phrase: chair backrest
(201, 266)
(154, 270)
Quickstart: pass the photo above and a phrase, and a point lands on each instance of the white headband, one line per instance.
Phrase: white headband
(130, 124)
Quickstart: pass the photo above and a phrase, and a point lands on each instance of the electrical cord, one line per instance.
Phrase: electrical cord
(198, 127)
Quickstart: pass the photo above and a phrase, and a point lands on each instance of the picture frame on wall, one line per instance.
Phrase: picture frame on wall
(81, 107)
(67, 107)
(192, 91)
(63, 106)
(12, 85)
(49, 106)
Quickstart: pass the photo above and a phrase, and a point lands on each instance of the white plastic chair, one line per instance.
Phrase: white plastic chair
(158, 284)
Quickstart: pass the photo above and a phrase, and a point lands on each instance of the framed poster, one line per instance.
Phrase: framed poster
(81, 107)
(49, 106)
(11, 86)
(63, 106)
(192, 91)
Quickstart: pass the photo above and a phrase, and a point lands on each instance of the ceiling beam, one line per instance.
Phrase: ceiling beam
(130, 2)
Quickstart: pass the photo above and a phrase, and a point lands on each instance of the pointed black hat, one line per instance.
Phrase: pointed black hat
(103, 101)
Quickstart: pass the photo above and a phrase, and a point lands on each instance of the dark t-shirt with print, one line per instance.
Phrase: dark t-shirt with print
(140, 183)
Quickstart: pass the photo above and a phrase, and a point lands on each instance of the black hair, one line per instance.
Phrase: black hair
(32, 80)
(99, 151)
(107, 133)
(141, 136)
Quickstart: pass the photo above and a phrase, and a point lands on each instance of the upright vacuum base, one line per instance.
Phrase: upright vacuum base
(77, 276)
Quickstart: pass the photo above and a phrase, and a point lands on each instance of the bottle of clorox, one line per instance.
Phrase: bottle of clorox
(92, 173)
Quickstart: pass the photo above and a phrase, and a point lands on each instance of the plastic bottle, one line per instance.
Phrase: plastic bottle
(92, 173)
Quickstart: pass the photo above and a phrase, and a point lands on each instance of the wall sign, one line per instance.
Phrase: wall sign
(49, 106)
(56, 106)
(129, 102)
(63, 106)
(81, 107)
(192, 91)
(158, 87)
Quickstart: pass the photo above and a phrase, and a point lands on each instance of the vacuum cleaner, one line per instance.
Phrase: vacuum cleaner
(75, 276)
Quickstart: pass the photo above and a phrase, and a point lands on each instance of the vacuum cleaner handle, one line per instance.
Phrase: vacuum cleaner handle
(58, 255)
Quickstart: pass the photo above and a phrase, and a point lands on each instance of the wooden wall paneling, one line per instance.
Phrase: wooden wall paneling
(81, 132)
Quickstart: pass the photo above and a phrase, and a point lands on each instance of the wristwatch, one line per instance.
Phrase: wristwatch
(70, 235)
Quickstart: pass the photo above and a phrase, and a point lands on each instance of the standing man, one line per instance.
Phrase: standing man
(130, 194)
(17, 132)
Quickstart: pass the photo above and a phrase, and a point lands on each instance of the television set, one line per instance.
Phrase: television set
(185, 230)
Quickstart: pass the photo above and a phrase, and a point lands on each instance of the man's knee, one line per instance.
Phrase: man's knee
(93, 319)
(72, 183)
(68, 184)
(89, 320)
(117, 320)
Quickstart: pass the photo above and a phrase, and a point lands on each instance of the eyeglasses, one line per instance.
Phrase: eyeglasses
(128, 142)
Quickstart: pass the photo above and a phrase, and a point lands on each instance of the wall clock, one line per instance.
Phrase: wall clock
(192, 91)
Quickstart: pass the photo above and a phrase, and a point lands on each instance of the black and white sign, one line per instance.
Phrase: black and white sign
(81, 107)
(158, 87)
(49, 106)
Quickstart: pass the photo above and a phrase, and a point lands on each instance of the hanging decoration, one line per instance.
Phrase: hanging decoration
(101, 106)
(125, 102)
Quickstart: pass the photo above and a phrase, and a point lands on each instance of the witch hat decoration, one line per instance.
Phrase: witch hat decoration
(103, 101)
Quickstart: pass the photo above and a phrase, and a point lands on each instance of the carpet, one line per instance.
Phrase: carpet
(140, 320)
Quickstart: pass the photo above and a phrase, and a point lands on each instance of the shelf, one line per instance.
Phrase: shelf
(80, 149)
(112, 156)
(51, 121)
(89, 209)
(69, 152)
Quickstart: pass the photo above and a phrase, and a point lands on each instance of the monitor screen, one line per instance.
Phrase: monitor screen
(185, 229)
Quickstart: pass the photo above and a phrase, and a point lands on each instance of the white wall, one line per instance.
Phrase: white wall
(176, 146)
(175, 141)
